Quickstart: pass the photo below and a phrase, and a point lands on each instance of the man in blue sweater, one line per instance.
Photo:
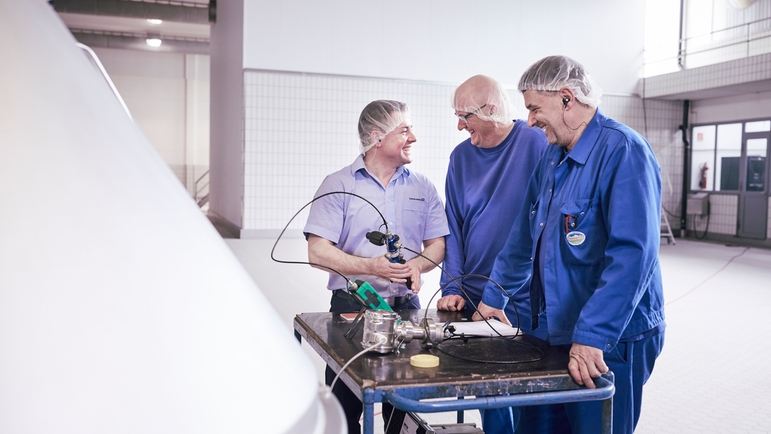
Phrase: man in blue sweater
(486, 182)
(584, 246)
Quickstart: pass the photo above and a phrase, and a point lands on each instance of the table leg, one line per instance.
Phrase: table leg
(368, 403)
(607, 416)
(299, 338)
(460, 413)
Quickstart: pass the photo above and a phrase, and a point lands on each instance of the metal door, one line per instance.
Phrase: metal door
(753, 186)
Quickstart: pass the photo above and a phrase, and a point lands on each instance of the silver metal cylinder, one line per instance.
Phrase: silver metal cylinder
(380, 328)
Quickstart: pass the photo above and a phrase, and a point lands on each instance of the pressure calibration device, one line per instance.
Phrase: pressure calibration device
(384, 329)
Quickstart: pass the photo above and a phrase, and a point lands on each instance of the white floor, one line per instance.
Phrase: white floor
(713, 376)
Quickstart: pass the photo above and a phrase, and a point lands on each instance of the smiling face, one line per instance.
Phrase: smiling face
(482, 133)
(395, 147)
(546, 112)
(483, 110)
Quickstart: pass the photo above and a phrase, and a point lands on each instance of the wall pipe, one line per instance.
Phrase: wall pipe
(686, 166)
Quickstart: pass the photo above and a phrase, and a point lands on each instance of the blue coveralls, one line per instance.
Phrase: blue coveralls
(585, 249)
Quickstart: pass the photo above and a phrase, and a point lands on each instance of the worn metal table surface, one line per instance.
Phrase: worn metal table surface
(376, 377)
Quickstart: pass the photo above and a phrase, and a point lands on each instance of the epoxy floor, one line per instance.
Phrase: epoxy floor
(713, 375)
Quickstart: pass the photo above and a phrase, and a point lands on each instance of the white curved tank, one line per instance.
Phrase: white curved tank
(121, 308)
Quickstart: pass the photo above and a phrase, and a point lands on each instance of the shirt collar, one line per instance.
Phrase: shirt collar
(358, 164)
(585, 144)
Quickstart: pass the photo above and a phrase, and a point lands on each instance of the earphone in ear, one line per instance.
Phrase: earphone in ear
(565, 101)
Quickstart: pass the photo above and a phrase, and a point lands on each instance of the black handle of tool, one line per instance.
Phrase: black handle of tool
(409, 279)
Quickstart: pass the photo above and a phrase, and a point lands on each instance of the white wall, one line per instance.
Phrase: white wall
(310, 67)
(750, 106)
(168, 97)
(705, 16)
(301, 127)
(445, 40)
(197, 100)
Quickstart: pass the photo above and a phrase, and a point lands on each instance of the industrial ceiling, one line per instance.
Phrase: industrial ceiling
(184, 25)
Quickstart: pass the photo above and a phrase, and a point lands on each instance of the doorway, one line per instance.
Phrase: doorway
(753, 197)
(731, 159)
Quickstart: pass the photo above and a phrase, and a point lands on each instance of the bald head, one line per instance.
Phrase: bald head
(481, 90)
(484, 110)
(474, 86)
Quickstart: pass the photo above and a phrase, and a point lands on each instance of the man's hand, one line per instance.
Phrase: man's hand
(586, 363)
(451, 302)
(433, 253)
(394, 271)
(486, 312)
(415, 280)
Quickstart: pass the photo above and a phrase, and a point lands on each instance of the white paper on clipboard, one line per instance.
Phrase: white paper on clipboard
(480, 328)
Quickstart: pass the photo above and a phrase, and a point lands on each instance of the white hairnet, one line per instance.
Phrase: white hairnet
(482, 91)
(555, 72)
(381, 116)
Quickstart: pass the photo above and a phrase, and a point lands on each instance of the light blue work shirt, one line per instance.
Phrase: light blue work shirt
(591, 219)
(409, 203)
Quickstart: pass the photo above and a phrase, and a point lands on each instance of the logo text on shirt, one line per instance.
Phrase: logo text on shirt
(422, 199)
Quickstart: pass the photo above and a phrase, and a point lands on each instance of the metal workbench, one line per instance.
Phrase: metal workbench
(390, 378)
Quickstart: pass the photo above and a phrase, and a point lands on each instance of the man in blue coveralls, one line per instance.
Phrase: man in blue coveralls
(585, 243)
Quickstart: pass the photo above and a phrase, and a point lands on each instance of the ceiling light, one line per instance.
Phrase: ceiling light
(153, 42)
(154, 21)
(740, 4)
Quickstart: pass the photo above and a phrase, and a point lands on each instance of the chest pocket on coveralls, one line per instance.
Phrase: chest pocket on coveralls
(581, 238)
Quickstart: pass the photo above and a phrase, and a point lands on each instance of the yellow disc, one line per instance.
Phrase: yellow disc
(424, 361)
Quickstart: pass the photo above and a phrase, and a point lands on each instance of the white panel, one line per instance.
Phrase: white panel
(168, 97)
(121, 308)
(445, 40)
(722, 216)
(197, 124)
(157, 105)
(301, 127)
(142, 63)
(750, 106)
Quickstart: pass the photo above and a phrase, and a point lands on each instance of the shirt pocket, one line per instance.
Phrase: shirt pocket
(584, 236)
(574, 213)
(415, 215)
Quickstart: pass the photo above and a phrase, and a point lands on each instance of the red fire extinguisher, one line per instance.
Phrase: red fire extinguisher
(703, 176)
